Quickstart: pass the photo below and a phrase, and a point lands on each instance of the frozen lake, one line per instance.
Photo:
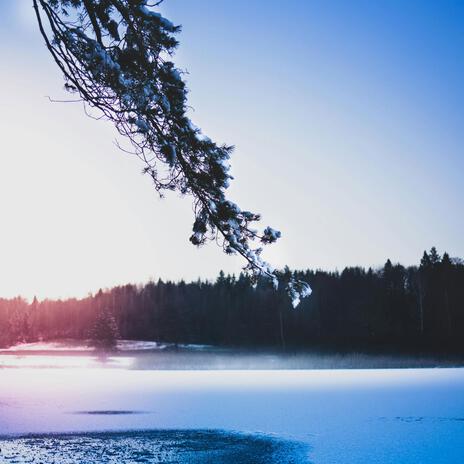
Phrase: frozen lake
(281, 416)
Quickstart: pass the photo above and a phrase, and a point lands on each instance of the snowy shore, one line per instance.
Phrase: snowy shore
(152, 355)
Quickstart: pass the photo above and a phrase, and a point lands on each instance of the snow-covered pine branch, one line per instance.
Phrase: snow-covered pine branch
(116, 55)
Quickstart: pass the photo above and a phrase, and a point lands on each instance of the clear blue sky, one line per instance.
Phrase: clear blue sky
(348, 123)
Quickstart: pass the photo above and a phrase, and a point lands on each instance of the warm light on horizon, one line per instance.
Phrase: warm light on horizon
(352, 171)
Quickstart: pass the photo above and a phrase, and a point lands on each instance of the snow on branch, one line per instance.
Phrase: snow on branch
(116, 56)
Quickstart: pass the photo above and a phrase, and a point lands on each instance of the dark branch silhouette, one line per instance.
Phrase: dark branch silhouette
(116, 55)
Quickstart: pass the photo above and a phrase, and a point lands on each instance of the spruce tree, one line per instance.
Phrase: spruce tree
(104, 333)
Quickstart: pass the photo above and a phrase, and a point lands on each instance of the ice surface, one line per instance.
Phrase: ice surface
(344, 416)
(168, 446)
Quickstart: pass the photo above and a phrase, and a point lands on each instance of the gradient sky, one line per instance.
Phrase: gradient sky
(347, 119)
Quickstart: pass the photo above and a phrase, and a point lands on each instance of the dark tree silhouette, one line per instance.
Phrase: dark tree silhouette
(104, 333)
(115, 55)
(394, 308)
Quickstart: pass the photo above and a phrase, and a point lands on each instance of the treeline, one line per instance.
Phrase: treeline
(415, 308)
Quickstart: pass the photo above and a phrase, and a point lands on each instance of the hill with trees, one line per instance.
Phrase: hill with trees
(394, 308)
